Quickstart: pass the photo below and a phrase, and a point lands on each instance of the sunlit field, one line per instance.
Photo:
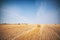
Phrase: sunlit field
(29, 31)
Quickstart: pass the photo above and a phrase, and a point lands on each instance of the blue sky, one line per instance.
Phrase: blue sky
(33, 12)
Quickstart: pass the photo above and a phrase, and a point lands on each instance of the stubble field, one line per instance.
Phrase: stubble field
(30, 32)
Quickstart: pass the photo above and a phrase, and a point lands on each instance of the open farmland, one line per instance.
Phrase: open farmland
(30, 32)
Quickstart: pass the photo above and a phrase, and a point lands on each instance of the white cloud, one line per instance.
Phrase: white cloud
(12, 15)
(47, 15)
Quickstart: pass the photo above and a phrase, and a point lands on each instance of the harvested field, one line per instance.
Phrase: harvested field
(30, 32)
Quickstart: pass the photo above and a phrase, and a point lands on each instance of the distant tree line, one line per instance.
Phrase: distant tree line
(15, 23)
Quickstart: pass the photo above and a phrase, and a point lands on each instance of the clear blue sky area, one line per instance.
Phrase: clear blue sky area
(30, 11)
